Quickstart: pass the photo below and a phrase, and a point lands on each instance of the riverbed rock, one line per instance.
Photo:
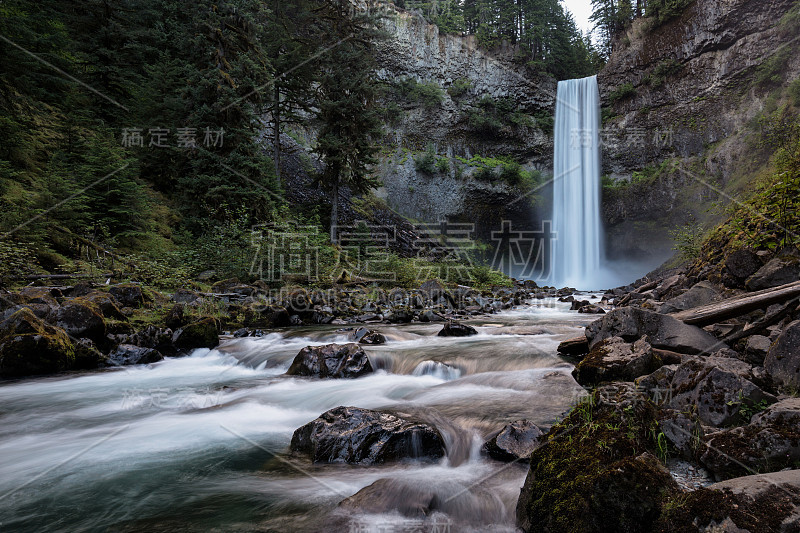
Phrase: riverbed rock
(742, 264)
(700, 294)
(756, 349)
(128, 294)
(778, 271)
(201, 334)
(457, 329)
(663, 331)
(108, 305)
(613, 359)
(719, 389)
(762, 503)
(770, 442)
(782, 361)
(331, 361)
(574, 347)
(128, 354)
(515, 441)
(80, 318)
(30, 346)
(593, 472)
(367, 336)
(430, 316)
(363, 436)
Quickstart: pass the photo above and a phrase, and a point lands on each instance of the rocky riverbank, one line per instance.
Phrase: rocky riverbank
(44, 330)
(699, 366)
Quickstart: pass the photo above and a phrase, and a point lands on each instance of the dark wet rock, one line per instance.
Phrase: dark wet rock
(128, 294)
(225, 285)
(592, 310)
(456, 329)
(770, 442)
(762, 503)
(574, 347)
(720, 390)
(577, 304)
(782, 362)
(295, 320)
(30, 346)
(400, 315)
(663, 331)
(614, 359)
(88, 356)
(151, 337)
(80, 318)
(241, 332)
(393, 495)
(277, 317)
(756, 349)
(742, 264)
(39, 296)
(363, 436)
(431, 316)
(659, 381)
(108, 305)
(175, 317)
(700, 294)
(201, 334)
(367, 336)
(682, 430)
(596, 473)
(778, 271)
(127, 354)
(331, 361)
(185, 296)
(515, 441)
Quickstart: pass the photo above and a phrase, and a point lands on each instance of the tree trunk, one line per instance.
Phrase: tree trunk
(276, 117)
(334, 210)
(733, 307)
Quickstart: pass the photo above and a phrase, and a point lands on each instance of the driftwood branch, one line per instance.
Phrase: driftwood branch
(733, 307)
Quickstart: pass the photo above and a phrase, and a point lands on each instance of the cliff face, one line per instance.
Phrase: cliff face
(488, 107)
(696, 84)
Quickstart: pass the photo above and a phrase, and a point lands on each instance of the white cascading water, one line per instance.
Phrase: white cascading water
(577, 248)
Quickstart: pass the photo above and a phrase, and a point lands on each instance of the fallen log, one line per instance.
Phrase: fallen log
(759, 326)
(705, 315)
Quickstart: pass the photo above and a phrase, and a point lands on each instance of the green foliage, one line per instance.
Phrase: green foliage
(663, 70)
(662, 11)
(16, 258)
(770, 72)
(459, 88)
(443, 165)
(429, 94)
(623, 92)
(794, 92)
(427, 161)
(688, 240)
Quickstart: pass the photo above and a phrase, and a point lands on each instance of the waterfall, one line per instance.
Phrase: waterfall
(576, 252)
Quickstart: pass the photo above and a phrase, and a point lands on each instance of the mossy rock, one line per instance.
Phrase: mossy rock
(80, 318)
(201, 334)
(595, 470)
(29, 346)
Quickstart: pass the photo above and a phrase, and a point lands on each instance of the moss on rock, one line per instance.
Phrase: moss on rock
(29, 346)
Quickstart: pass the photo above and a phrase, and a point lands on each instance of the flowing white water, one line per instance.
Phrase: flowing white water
(190, 444)
(576, 253)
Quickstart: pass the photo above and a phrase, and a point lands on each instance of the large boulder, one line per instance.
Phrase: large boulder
(105, 303)
(782, 362)
(700, 294)
(363, 436)
(41, 300)
(719, 389)
(456, 329)
(778, 271)
(367, 336)
(515, 441)
(128, 294)
(770, 442)
(762, 503)
(663, 331)
(742, 264)
(127, 354)
(595, 470)
(331, 361)
(201, 334)
(80, 318)
(29, 346)
(616, 360)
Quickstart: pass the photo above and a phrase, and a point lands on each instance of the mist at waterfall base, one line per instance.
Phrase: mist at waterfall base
(577, 256)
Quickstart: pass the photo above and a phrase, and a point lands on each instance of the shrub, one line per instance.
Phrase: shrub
(427, 161)
(794, 92)
(428, 94)
(664, 70)
(459, 88)
(623, 92)
(443, 165)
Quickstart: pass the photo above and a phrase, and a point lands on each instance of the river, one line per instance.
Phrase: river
(200, 443)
